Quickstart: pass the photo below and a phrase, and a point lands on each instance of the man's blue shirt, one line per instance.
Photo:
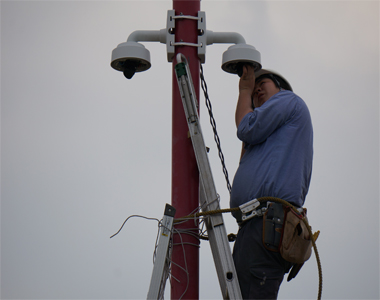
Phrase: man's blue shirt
(278, 139)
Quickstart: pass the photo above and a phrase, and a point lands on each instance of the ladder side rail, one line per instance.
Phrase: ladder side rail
(161, 253)
(223, 261)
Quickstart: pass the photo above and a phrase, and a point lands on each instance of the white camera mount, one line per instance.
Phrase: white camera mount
(131, 56)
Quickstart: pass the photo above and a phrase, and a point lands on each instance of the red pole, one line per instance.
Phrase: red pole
(185, 176)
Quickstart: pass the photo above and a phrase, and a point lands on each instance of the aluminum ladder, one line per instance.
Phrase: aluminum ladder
(216, 230)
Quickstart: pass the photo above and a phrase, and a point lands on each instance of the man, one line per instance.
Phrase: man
(276, 161)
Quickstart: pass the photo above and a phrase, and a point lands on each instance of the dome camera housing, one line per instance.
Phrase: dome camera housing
(130, 57)
(238, 55)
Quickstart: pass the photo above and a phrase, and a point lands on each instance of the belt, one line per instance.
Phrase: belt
(253, 209)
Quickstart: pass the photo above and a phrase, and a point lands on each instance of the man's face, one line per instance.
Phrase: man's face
(264, 89)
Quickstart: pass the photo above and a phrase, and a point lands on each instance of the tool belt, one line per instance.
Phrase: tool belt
(285, 232)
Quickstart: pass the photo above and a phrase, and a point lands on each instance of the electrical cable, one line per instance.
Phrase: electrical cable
(132, 216)
(213, 125)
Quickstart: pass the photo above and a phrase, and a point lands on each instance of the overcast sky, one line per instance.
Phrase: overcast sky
(82, 148)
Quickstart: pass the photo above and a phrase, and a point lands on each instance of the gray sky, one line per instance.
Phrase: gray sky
(82, 148)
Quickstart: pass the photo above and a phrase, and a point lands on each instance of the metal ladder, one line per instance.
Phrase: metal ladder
(161, 263)
(216, 230)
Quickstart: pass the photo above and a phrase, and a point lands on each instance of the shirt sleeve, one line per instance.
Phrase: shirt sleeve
(257, 126)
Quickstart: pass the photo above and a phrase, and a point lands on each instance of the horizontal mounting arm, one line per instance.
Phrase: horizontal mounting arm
(148, 36)
(224, 38)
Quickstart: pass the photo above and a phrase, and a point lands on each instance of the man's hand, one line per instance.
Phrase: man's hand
(246, 87)
(247, 80)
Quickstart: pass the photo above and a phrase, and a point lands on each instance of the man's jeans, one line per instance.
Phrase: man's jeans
(260, 271)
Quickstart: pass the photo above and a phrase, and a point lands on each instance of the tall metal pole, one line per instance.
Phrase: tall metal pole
(185, 175)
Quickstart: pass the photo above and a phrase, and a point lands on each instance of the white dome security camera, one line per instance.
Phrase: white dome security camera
(130, 57)
(238, 55)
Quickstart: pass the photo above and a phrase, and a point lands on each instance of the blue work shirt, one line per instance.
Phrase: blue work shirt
(278, 141)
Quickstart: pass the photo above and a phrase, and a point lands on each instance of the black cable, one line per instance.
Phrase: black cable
(213, 125)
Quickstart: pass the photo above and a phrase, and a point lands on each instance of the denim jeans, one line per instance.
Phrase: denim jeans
(260, 271)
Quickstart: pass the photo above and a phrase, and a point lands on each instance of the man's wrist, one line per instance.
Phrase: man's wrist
(245, 92)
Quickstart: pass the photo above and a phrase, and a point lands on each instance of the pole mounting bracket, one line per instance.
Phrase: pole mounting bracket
(170, 34)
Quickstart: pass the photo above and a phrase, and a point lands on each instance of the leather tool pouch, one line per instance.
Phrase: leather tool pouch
(273, 220)
(296, 243)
